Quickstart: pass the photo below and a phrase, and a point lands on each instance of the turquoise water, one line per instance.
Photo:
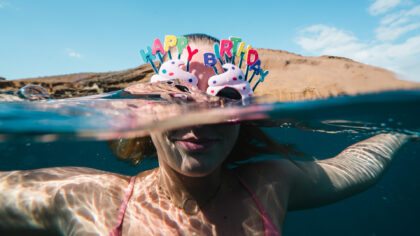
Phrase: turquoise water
(74, 132)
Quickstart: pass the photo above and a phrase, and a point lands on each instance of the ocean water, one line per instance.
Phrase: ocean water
(74, 132)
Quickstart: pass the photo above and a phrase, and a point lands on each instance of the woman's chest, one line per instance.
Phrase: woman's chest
(158, 216)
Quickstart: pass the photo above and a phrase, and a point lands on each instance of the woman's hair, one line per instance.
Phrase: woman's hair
(252, 141)
(203, 39)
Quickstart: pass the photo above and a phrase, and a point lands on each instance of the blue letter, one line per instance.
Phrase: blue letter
(147, 56)
(209, 59)
(256, 67)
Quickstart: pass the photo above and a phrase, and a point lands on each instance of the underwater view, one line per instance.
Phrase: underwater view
(75, 132)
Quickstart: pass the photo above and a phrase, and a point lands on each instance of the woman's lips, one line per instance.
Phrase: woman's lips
(196, 145)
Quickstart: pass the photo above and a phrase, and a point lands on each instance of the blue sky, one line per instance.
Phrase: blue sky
(52, 37)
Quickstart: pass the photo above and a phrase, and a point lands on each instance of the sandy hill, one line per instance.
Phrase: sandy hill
(291, 77)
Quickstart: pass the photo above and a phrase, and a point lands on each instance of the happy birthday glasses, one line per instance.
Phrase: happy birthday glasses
(233, 77)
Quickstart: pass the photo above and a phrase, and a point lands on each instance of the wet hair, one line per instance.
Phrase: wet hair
(252, 141)
(199, 37)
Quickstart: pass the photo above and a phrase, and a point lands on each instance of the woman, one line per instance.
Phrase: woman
(191, 193)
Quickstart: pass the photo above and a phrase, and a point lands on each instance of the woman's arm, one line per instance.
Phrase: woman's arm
(57, 198)
(355, 169)
(26, 199)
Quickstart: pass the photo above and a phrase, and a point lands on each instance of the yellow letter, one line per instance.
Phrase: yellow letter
(247, 50)
(241, 49)
(170, 41)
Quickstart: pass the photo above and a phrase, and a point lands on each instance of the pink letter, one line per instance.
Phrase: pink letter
(225, 46)
(250, 53)
(157, 47)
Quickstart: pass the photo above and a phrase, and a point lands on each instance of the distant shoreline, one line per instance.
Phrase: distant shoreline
(292, 77)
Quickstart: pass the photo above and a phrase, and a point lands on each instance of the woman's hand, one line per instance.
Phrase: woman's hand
(414, 138)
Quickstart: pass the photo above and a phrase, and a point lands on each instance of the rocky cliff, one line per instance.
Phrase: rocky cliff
(292, 77)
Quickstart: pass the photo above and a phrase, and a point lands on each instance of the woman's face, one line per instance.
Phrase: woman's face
(197, 67)
(196, 151)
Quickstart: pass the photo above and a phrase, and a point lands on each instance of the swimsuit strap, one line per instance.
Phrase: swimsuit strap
(269, 226)
(116, 231)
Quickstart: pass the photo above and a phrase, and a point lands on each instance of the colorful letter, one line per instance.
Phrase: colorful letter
(191, 53)
(147, 57)
(170, 41)
(209, 59)
(235, 41)
(157, 47)
(241, 49)
(251, 52)
(263, 74)
(247, 50)
(225, 47)
(256, 67)
(181, 44)
(216, 50)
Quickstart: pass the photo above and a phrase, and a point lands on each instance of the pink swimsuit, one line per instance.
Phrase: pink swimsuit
(269, 226)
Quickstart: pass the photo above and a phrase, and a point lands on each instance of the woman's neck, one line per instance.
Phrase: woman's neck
(186, 192)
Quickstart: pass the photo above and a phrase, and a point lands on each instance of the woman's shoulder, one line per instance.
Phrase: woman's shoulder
(265, 171)
(60, 181)
(80, 176)
(267, 175)
(59, 174)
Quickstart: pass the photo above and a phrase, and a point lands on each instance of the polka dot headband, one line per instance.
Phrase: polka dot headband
(225, 52)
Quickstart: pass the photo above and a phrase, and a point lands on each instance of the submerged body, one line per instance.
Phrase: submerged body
(83, 201)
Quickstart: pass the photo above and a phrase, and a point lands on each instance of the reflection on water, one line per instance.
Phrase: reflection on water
(76, 131)
(109, 117)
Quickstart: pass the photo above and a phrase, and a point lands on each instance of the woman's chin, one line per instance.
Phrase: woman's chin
(194, 167)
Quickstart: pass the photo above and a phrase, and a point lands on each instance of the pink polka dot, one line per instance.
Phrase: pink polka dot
(234, 78)
(171, 74)
(249, 95)
(212, 91)
(244, 88)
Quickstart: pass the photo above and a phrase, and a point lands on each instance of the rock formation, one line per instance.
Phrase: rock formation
(292, 77)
